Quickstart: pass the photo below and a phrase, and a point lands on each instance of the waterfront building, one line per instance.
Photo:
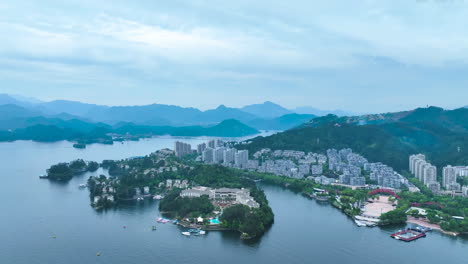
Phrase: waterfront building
(324, 180)
(222, 195)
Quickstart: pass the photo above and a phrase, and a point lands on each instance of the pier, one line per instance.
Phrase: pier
(408, 235)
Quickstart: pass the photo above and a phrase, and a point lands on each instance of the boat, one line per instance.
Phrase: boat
(153, 228)
(186, 233)
(157, 197)
(43, 176)
(196, 231)
(162, 220)
(81, 186)
(359, 223)
(140, 199)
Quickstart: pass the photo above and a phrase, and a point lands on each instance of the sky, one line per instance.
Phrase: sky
(361, 56)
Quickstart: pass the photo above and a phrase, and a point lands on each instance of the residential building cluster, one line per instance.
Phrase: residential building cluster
(230, 157)
(424, 171)
(173, 183)
(349, 166)
(427, 174)
(222, 196)
(385, 176)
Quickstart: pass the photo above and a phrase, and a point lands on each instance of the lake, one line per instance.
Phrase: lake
(33, 211)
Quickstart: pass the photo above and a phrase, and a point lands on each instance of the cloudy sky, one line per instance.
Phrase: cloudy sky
(362, 56)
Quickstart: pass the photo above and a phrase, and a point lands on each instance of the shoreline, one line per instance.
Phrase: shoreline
(436, 227)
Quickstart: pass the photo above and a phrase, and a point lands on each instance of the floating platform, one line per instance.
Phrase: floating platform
(408, 235)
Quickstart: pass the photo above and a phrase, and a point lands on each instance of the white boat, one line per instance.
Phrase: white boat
(202, 232)
(157, 197)
(140, 199)
(81, 186)
(186, 233)
(359, 223)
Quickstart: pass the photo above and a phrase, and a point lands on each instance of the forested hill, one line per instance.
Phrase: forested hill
(441, 135)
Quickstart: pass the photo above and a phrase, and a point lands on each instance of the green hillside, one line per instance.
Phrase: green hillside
(391, 142)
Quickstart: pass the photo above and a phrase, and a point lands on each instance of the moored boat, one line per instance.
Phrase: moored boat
(359, 223)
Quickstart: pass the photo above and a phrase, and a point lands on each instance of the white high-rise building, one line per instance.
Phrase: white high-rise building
(219, 155)
(419, 168)
(241, 158)
(201, 147)
(208, 155)
(449, 176)
(228, 155)
(211, 144)
(412, 162)
(430, 174)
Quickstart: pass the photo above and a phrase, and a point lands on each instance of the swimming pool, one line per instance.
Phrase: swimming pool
(214, 221)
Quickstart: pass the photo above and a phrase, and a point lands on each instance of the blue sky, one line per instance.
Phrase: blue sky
(362, 56)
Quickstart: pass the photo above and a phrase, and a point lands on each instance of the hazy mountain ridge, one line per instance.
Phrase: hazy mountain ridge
(267, 114)
(267, 110)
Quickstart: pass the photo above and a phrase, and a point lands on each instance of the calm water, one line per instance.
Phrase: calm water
(34, 210)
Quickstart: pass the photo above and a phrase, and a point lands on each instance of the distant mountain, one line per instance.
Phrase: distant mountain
(70, 107)
(265, 115)
(222, 113)
(24, 99)
(267, 110)
(54, 129)
(155, 114)
(227, 128)
(230, 128)
(12, 111)
(317, 112)
(390, 138)
(284, 122)
(9, 99)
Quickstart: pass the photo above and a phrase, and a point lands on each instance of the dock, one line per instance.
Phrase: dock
(408, 235)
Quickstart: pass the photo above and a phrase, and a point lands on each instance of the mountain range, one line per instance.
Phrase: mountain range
(29, 118)
(163, 115)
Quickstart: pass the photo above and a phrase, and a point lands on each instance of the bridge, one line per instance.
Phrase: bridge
(428, 203)
(385, 191)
